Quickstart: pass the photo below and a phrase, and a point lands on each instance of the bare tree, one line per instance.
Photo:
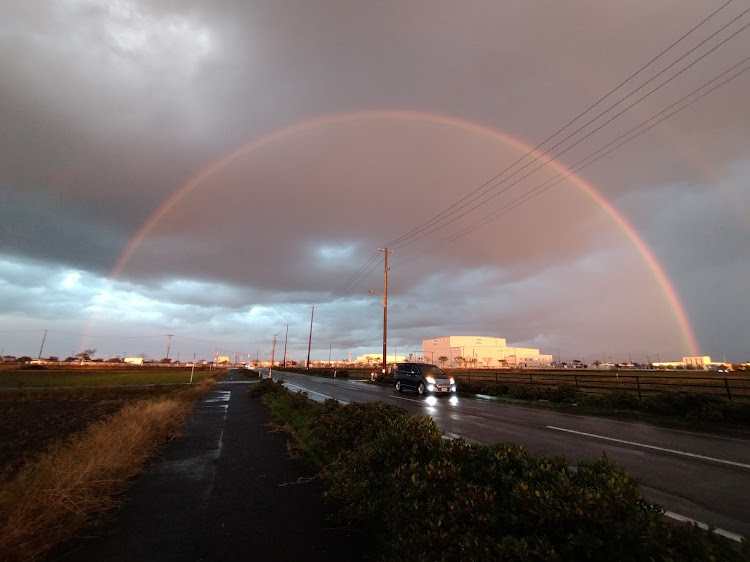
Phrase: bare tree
(443, 360)
(86, 354)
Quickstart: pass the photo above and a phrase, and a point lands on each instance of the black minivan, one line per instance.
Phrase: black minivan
(423, 377)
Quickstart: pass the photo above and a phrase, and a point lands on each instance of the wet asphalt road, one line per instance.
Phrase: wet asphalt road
(703, 477)
(224, 490)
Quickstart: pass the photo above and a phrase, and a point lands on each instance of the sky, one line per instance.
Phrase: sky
(213, 170)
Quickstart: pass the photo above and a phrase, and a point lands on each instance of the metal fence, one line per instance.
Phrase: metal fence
(642, 384)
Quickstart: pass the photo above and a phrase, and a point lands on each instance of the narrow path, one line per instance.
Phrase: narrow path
(226, 489)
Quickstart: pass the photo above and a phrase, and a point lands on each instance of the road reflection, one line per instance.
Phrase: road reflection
(432, 402)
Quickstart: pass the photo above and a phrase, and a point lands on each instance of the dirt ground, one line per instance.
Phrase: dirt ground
(32, 420)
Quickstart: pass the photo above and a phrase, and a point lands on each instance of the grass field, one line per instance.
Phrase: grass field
(30, 378)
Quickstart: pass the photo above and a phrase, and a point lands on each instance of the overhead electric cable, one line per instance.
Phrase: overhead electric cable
(362, 273)
(481, 193)
(434, 223)
(602, 152)
(487, 197)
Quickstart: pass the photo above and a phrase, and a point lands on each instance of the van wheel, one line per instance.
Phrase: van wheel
(420, 388)
(398, 386)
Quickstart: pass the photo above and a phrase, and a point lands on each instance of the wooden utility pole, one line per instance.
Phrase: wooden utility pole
(309, 343)
(386, 251)
(273, 349)
(286, 338)
(42, 346)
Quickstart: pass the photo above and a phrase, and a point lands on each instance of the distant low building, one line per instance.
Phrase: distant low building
(698, 362)
(133, 360)
(481, 351)
(377, 359)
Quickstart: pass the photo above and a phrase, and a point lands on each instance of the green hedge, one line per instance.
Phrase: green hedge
(682, 405)
(428, 498)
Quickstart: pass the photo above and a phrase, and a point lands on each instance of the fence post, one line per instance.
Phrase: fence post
(531, 382)
(575, 378)
(638, 383)
(468, 374)
(726, 385)
(495, 378)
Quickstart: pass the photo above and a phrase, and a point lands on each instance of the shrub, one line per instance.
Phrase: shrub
(564, 393)
(471, 387)
(384, 378)
(335, 428)
(682, 404)
(268, 386)
(431, 499)
(618, 399)
(495, 389)
(737, 413)
(524, 392)
(426, 498)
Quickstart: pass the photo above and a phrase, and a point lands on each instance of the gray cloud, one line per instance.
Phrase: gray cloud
(109, 109)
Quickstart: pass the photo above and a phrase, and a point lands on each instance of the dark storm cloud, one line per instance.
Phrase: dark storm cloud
(51, 227)
(109, 108)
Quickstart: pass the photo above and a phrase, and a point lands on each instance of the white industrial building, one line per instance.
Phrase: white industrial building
(481, 352)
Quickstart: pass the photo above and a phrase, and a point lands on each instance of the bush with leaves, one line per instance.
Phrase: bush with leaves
(335, 428)
(432, 499)
(268, 386)
(426, 498)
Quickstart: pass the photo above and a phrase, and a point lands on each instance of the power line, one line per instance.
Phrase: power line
(434, 223)
(436, 227)
(605, 150)
(480, 194)
(355, 279)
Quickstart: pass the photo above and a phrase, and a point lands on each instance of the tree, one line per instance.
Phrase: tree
(460, 360)
(86, 354)
(443, 360)
(487, 361)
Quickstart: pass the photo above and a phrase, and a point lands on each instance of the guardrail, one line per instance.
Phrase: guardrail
(643, 384)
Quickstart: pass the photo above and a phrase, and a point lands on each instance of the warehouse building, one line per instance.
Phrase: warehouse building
(481, 352)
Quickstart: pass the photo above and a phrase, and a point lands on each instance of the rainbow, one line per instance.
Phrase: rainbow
(668, 289)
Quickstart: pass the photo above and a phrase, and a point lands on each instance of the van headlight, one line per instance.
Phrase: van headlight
(430, 379)
(453, 381)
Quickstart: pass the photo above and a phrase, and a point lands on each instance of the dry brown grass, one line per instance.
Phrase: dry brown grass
(74, 481)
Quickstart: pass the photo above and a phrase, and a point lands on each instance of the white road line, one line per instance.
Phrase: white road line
(314, 392)
(722, 532)
(671, 514)
(644, 445)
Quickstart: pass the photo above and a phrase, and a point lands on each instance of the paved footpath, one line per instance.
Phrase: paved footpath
(224, 490)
